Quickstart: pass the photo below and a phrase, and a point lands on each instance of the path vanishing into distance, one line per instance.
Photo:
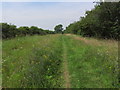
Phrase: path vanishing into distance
(65, 66)
(60, 61)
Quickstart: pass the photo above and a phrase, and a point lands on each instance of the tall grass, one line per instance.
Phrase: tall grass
(37, 62)
(32, 62)
(92, 65)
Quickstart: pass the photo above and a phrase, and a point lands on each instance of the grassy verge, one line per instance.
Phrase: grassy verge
(32, 62)
(92, 65)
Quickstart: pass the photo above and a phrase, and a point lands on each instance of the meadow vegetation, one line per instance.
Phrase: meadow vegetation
(38, 62)
(32, 62)
(92, 63)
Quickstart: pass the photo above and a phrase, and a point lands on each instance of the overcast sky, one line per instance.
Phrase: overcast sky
(44, 14)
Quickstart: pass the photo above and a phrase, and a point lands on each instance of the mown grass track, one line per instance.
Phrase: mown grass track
(56, 61)
(92, 65)
(65, 66)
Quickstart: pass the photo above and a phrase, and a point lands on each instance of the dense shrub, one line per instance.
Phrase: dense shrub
(10, 31)
(103, 22)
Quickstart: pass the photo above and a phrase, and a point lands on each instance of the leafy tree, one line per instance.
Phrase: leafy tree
(102, 22)
(58, 28)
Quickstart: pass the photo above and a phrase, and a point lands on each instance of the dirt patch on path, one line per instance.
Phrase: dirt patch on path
(68, 34)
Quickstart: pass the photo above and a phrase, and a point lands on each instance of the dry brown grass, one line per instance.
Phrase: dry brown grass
(110, 45)
(92, 41)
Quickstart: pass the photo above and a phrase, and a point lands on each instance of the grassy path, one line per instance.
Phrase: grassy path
(65, 66)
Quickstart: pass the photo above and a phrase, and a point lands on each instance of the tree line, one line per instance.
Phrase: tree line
(102, 22)
(11, 31)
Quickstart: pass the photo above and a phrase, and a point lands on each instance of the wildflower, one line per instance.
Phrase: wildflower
(33, 45)
(45, 56)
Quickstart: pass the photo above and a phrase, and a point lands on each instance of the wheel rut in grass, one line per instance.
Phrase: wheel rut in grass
(65, 67)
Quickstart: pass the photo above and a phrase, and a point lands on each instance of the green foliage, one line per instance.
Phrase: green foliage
(102, 22)
(32, 62)
(44, 69)
(10, 31)
(72, 28)
(58, 28)
(6, 30)
(91, 65)
(36, 62)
